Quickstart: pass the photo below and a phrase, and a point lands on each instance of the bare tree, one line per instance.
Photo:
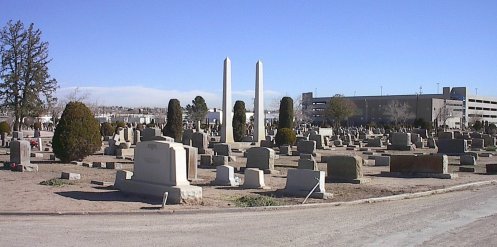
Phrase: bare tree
(302, 115)
(398, 112)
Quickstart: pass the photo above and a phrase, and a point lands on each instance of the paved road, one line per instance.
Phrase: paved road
(455, 219)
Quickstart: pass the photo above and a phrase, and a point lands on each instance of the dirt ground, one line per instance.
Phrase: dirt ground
(22, 192)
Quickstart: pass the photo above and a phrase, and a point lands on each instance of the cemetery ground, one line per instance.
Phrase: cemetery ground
(22, 191)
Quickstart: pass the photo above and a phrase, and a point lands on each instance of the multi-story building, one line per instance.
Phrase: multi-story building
(454, 107)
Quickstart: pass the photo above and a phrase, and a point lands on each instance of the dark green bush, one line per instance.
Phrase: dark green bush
(174, 125)
(239, 119)
(120, 124)
(77, 134)
(285, 136)
(106, 129)
(286, 113)
(4, 127)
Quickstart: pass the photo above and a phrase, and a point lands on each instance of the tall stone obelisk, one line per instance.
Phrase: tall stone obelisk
(259, 116)
(227, 127)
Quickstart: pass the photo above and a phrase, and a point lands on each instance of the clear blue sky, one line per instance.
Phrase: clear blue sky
(146, 52)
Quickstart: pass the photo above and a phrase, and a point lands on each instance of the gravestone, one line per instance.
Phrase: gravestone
(338, 143)
(225, 176)
(220, 160)
(319, 139)
(431, 143)
(70, 176)
(187, 137)
(477, 143)
(300, 182)
(400, 141)
(381, 160)
(452, 146)
(326, 132)
(345, 169)
(489, 140)
(375, 142)
(467, 160)
(309, 164)
(421, 165)
(445, 135)
(205, 160)
(261, 158)
(20, 154)
(422, 132)
(128, 135)
(150, 133)
(160, 167)
(306, 147)
(222, 149)
(191, 162)
(17, 135)
(285, 150)
(200, 141)
(491, 168)
(136, 137)
(254, 179)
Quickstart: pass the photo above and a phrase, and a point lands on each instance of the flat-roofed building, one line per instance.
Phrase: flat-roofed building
(454, 107)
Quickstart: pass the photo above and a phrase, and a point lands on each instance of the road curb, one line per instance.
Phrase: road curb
(269, 208)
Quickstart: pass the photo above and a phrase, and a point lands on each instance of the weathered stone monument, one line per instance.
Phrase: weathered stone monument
(435, 166)
(345, 169)
(20, 153)
(227, 128)
(160, 167)
(400, 141)
(300, 182)
(261, 158)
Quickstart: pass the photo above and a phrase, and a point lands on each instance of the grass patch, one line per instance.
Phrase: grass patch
(56, 182)
(492, 148)
(255, 201)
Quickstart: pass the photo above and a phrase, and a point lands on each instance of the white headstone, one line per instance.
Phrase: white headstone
(254, 179)
(225, 175)
(160, 166)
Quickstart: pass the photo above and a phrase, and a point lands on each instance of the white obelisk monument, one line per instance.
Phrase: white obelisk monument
(227, 127)
(259, 116)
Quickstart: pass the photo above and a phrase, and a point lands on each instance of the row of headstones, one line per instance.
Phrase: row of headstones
(463, 135)
(468, 161)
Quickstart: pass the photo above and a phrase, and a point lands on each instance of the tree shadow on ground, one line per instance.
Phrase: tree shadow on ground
(108, 196)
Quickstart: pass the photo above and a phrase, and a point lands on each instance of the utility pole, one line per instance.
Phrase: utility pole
(438, 87)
